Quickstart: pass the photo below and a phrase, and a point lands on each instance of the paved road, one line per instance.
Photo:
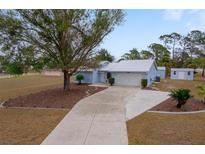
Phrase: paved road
(100, 118)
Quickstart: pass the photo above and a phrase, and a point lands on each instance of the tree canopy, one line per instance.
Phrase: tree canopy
(104, 55)
(145, 54)
(133, 54)
(67, 38)
(176, 51)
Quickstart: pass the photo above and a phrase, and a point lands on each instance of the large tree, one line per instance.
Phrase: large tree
(161, 54)
(197, 48)
(171, 41)
(133, 54)
(195, 40)
(67, 37)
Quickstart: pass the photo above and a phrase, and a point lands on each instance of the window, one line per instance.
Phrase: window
(189, 73)
(174, 72)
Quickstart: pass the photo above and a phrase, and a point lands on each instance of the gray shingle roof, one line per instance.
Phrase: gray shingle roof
(129, 66)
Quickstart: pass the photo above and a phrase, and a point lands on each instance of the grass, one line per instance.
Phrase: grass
(156, 128)
(23, 85)
(28, 126)
(168, 84)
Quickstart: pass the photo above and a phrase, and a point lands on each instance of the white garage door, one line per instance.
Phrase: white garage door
(129, 79)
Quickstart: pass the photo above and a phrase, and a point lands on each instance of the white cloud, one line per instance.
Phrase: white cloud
(193, 19)
(174, 15)
(196, 20)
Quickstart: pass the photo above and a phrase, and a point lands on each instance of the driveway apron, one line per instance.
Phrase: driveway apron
(100, 118)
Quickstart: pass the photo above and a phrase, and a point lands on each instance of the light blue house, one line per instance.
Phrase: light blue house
(182, 74)
(161, 72)
(127, 72)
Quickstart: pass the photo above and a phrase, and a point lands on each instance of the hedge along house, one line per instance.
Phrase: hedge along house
(127, 72)
(182, 74)
(161, 72)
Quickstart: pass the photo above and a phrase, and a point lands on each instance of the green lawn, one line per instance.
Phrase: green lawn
(22, 85)
(156, 128)
(168, 84)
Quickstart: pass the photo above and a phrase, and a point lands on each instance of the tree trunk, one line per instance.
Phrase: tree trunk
(66, 85)
(173, 51)
(179, 105)
(203, 72)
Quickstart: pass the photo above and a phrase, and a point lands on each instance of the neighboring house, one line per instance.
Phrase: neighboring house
(127, 72)
(182, 74)
(161, 72)
(52, 72)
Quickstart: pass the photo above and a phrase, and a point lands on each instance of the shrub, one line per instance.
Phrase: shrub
(181, 96)
(111, 81)
(144, 83)
(79, 78)
(15, 68)
(108, 75)
(201, 91)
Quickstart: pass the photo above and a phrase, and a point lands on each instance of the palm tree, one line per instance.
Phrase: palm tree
(146, 54)
(131, 55)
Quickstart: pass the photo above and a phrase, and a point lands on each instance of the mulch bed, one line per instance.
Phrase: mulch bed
(54, 98)
(170, 106)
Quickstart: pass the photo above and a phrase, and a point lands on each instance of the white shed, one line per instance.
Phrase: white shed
(182, 74)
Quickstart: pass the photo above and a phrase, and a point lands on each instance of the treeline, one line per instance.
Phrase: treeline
(176, 50)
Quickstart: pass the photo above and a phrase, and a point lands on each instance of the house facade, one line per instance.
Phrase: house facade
(182, 74)
(126, 73)
(161, 72)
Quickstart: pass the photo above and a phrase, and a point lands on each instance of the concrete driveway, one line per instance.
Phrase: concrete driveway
(142, 101)
(101, 118)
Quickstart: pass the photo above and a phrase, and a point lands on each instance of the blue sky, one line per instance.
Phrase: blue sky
(143, 27)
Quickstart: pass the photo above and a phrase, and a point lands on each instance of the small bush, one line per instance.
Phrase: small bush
(181, 96)
(144, 83)
(111, 81)
(79, 78)
(201, 91)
